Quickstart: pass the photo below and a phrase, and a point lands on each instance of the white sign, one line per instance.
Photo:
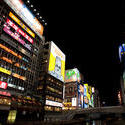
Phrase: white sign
(52, 103)
(74, 102)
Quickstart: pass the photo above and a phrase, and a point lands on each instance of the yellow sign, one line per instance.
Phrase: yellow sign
(5, 71)
(21, 24)
(12, 116)
(56, 62)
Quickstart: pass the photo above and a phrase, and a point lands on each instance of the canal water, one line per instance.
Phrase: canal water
(119, 121)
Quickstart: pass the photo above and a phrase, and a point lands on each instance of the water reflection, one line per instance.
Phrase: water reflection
(119, 121)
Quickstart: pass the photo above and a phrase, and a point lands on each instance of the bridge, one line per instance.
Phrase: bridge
(89, 113)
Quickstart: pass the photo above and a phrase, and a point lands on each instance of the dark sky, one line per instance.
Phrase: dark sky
(88, 32)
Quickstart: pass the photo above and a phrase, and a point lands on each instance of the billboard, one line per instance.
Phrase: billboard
(72, 75)
(16, 36)
(3, 85)
(10, 23)
(86, 101)
(22, 11)
(56, 62)
(80, 95)
(21, 24)
(52, 103)
(74, 101)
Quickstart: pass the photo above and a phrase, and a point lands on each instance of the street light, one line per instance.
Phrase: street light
(34, 10)
(37, 13)
(31, 5)
(28, 1)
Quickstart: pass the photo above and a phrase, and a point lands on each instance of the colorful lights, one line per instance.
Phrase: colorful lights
(16, 36)
(19, 30)
(21, 24)
(10, 51)
(18, 76)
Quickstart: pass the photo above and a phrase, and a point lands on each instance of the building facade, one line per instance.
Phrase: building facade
(51, 78)
(19, 53)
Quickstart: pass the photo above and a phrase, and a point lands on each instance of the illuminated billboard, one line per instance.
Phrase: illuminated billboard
(53, 103)
(21, 24)
(3, 85)
(72, 75)
(16, 37)
(80, 95)
(74, 101)
(10, 23)
(86, 100)
(22, 11)
(56, 62)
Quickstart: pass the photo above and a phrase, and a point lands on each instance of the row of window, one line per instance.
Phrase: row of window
(49, 108)
(53, 98)
(54, 90)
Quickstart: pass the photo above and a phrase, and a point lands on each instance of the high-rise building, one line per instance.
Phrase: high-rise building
(51, 78)
(21, 35)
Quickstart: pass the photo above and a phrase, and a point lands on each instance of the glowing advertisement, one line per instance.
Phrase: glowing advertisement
(74, 101)
(16, 37)
(72, 75)
(22, 11)
(19, 30)
(52, 103)
(56, 62)
(12, 116)
(93, 89)
(5, 93)
(21, 24)
(86, 101)
(5, 71)
(80, 95)
(3, 85)
(121, 51)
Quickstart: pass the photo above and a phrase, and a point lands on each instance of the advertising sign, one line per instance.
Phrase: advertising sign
(52, 103)
(3, 85)
(5, 71)
(19, 30)
(86, 101)
(12, 116)
(56, 62)
(21, 24)
(74, 101)
(16, 36)
(22, 11)
(72, 75)
(80, 95)
(93, 89)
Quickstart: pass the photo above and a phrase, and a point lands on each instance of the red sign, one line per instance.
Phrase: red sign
(5, 93)
(19, 31)
(3, 85)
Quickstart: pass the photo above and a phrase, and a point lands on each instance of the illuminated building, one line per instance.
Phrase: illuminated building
(20, 38)
(51, 78)
(73, 94)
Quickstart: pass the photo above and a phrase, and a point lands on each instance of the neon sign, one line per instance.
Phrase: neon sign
(3, 85)
(5, 71)
(19, 30)
(5, 93)
(16, 37)
(21, 24)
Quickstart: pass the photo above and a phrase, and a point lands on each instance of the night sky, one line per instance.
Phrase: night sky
(88, 32)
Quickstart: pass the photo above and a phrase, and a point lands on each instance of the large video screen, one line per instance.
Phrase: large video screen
(22, 11)
(72, 75)
(56, 62)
